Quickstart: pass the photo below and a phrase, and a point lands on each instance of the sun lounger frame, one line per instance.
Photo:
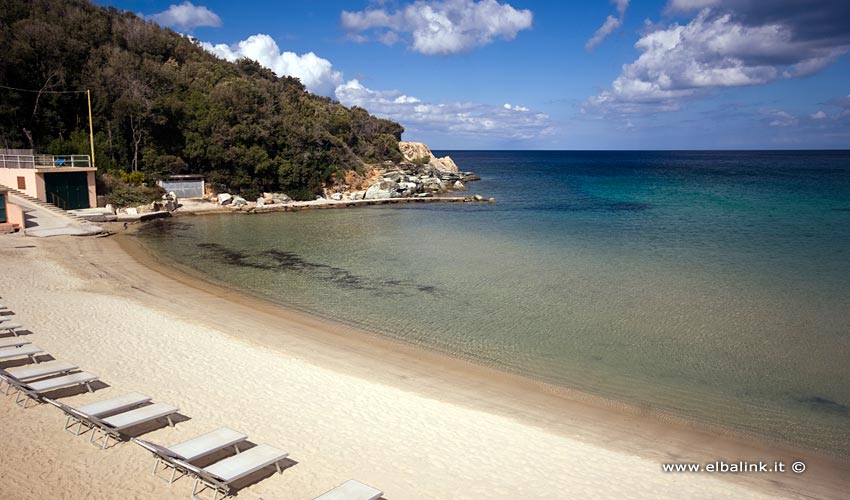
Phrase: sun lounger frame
(11, 327)
(209, 480)
(29, 351)
(115, 432)
(72, 420)
(352, 490)
(36, 394)
(6, 375)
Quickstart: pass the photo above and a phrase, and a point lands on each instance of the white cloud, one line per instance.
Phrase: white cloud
(508, 121)
(441, 26)
(316, 73)
(611, 23)
(459, 118)
(710, 52)
(515, 107)
(820, 115)
(779, 118)
(186, 16)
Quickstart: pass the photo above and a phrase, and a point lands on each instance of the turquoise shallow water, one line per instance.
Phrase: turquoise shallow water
(714, 286)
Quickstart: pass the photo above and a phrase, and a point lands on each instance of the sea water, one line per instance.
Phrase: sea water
(710, 285)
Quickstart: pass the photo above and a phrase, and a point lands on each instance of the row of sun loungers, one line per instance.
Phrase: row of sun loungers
(113, 418)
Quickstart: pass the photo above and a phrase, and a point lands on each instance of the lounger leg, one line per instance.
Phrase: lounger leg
(105, 440)
(195, 490)
(277, 466)
(236, 447)
(88, 386)
(170, 422)
(173, 471)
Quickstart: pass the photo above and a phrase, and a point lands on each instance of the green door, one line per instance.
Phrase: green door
(2, 208)
(67, 190)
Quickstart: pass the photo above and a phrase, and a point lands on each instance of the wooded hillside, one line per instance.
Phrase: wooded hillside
(162, 105)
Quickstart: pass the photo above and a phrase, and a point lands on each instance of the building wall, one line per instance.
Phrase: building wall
(9, 178)
(92, 190)
(35, 182)
(14, 214)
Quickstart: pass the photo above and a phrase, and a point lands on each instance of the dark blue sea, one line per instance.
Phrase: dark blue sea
(713, 286)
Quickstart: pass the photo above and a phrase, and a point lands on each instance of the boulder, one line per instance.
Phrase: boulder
(478, 197)
(458, 185)
(356, 195)
(492, 200)
(336, 196)
(418, 152)
(132, 211)
(382, 190)
(433, 185)
(280, 201)
(110, 208)
(239, 201)
(261, 202)
(225, 198)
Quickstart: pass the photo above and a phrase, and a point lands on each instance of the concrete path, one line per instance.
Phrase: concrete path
(41, 223)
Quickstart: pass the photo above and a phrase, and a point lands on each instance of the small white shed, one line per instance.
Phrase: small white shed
(184, 186)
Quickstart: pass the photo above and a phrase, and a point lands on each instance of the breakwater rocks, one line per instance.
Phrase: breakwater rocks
(414, 180)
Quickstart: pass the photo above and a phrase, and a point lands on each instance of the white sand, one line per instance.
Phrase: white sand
(413, 444)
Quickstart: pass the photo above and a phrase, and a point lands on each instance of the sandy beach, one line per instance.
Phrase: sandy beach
(343, 403)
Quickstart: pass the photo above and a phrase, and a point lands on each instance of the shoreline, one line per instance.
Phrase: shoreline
(121, 267)
(528, 395)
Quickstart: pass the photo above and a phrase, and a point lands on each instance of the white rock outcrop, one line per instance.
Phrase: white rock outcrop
(416, 151)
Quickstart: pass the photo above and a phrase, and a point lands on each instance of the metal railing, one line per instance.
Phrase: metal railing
(44, 161)
(58, 201)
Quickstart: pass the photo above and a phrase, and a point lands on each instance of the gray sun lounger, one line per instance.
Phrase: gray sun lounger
(103, 408)
(30, 372)
(16, 352)
(11, 328)
(13, 342)
(114, 425)
(220, 475)
(202, 446)
(32, 391)
(351, 490)
(5, 318)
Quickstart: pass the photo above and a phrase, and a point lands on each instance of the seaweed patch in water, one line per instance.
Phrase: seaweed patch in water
(232, 257)
(825, 405)
(271, 260)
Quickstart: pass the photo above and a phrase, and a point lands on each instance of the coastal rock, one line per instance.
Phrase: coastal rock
(357, 195)
(261, 202)
(433, 185)
(478, 197)
(225, 198)
(458, 185)
(239, 201)
(418, 152)
(382, 190)
(492, 200)
(336, 196)
(110, 208)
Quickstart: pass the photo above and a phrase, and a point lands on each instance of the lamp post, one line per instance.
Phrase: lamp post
(91, 128)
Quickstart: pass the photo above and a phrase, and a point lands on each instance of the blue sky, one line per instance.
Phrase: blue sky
(494, 74)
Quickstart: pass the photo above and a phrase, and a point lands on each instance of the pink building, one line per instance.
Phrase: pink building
(11, 215)
(66, 181)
